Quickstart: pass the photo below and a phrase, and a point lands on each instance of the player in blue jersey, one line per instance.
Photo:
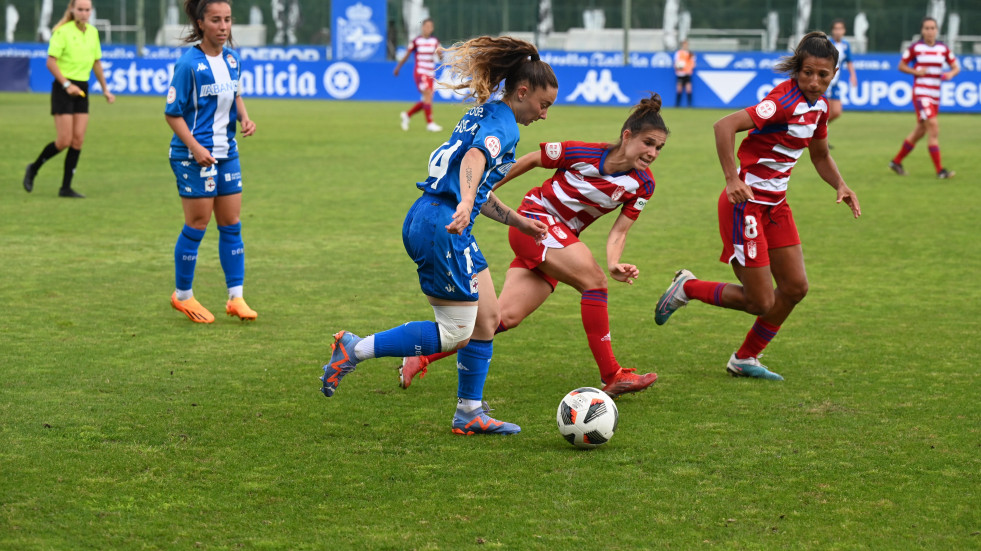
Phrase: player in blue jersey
(437, 230)
(834, 95)
(203, 106)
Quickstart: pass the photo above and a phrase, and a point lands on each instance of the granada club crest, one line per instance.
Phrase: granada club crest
(553, 150)
(751, 249)
(618, 193)
(766, 109)
(358, 37)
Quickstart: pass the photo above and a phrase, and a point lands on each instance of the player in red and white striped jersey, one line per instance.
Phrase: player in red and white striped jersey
(925, 60)
(426, 48)
(759, 236)
(590, 180)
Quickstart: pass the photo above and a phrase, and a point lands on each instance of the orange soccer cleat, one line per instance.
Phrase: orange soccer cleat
(238, 307)
(192, 309)
(626, 381)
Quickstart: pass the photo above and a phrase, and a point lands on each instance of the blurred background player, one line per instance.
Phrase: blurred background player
(437, 229)
(203, 107)
(684, 68)
(73, 53)
(925, 59)
(590, 180)
(844, 60)
(426, 48)
(759, 236)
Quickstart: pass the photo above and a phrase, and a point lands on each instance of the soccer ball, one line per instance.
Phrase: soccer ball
(587, 417)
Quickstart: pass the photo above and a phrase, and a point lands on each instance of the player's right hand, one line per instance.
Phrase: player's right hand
(461, 219)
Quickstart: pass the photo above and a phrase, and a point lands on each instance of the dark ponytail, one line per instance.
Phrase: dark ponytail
(646, 115)
(814, 44)
(195, 10)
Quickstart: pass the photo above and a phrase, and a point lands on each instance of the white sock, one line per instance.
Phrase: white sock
(365, 349)
(235, 292)
(184, 295)
(468, 405)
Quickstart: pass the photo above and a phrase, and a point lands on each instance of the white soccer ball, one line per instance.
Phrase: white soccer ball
(587, 417)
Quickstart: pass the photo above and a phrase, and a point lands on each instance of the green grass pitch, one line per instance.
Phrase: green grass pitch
(125, 426)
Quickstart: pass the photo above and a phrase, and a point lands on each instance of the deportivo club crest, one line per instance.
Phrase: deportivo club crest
(358, 36)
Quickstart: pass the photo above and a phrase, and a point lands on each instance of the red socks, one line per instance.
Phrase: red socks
(415, 109)
(596, 322)
(709, 292)
(903, 152)
(756, 340)
(935, 155)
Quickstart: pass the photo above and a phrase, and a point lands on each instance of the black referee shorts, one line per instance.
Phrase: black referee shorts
(63, 103)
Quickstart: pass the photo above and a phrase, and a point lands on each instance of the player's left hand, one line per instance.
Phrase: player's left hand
(248, 128)
(110, 97)
(846, 194)
(534, 228)
(625, 273)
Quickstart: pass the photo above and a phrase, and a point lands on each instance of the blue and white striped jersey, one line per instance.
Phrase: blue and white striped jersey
(203, 92)
(490, 127)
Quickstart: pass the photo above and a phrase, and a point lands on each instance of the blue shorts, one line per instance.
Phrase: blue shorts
(447, 263)
(834, 92)
(194, 180)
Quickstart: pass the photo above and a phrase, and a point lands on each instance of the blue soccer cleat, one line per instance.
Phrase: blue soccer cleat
(478, 422)
(342, 361)
(750, 367)
(673, 298)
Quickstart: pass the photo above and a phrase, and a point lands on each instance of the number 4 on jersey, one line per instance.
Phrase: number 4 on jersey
(439, 161)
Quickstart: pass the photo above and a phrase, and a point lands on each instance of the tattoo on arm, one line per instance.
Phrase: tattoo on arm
(497, 210)
(469, 178)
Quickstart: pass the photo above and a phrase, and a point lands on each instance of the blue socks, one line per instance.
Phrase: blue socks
(186, 256)
(416, 338)
(473, 363)
(231, 252)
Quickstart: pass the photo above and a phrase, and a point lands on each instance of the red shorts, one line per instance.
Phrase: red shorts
(750, 230)
(926, 107)
(529, 255)
(423, 82)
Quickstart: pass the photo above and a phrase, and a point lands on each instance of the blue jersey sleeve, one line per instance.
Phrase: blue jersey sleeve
(181, 89)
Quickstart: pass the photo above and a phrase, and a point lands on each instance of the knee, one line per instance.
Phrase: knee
(759, 306)
(593, 279)
(62, 143)
(456, 325)
(510, 319)
(77, 142)
(795, 291)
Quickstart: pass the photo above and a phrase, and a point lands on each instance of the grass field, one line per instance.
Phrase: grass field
(125, 426)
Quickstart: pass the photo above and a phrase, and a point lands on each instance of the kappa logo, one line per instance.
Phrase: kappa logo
(766, 109)
(185, 164)
(553, 150)
(726, 84)
(493, 146)
(202, 67)
(598, 87)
